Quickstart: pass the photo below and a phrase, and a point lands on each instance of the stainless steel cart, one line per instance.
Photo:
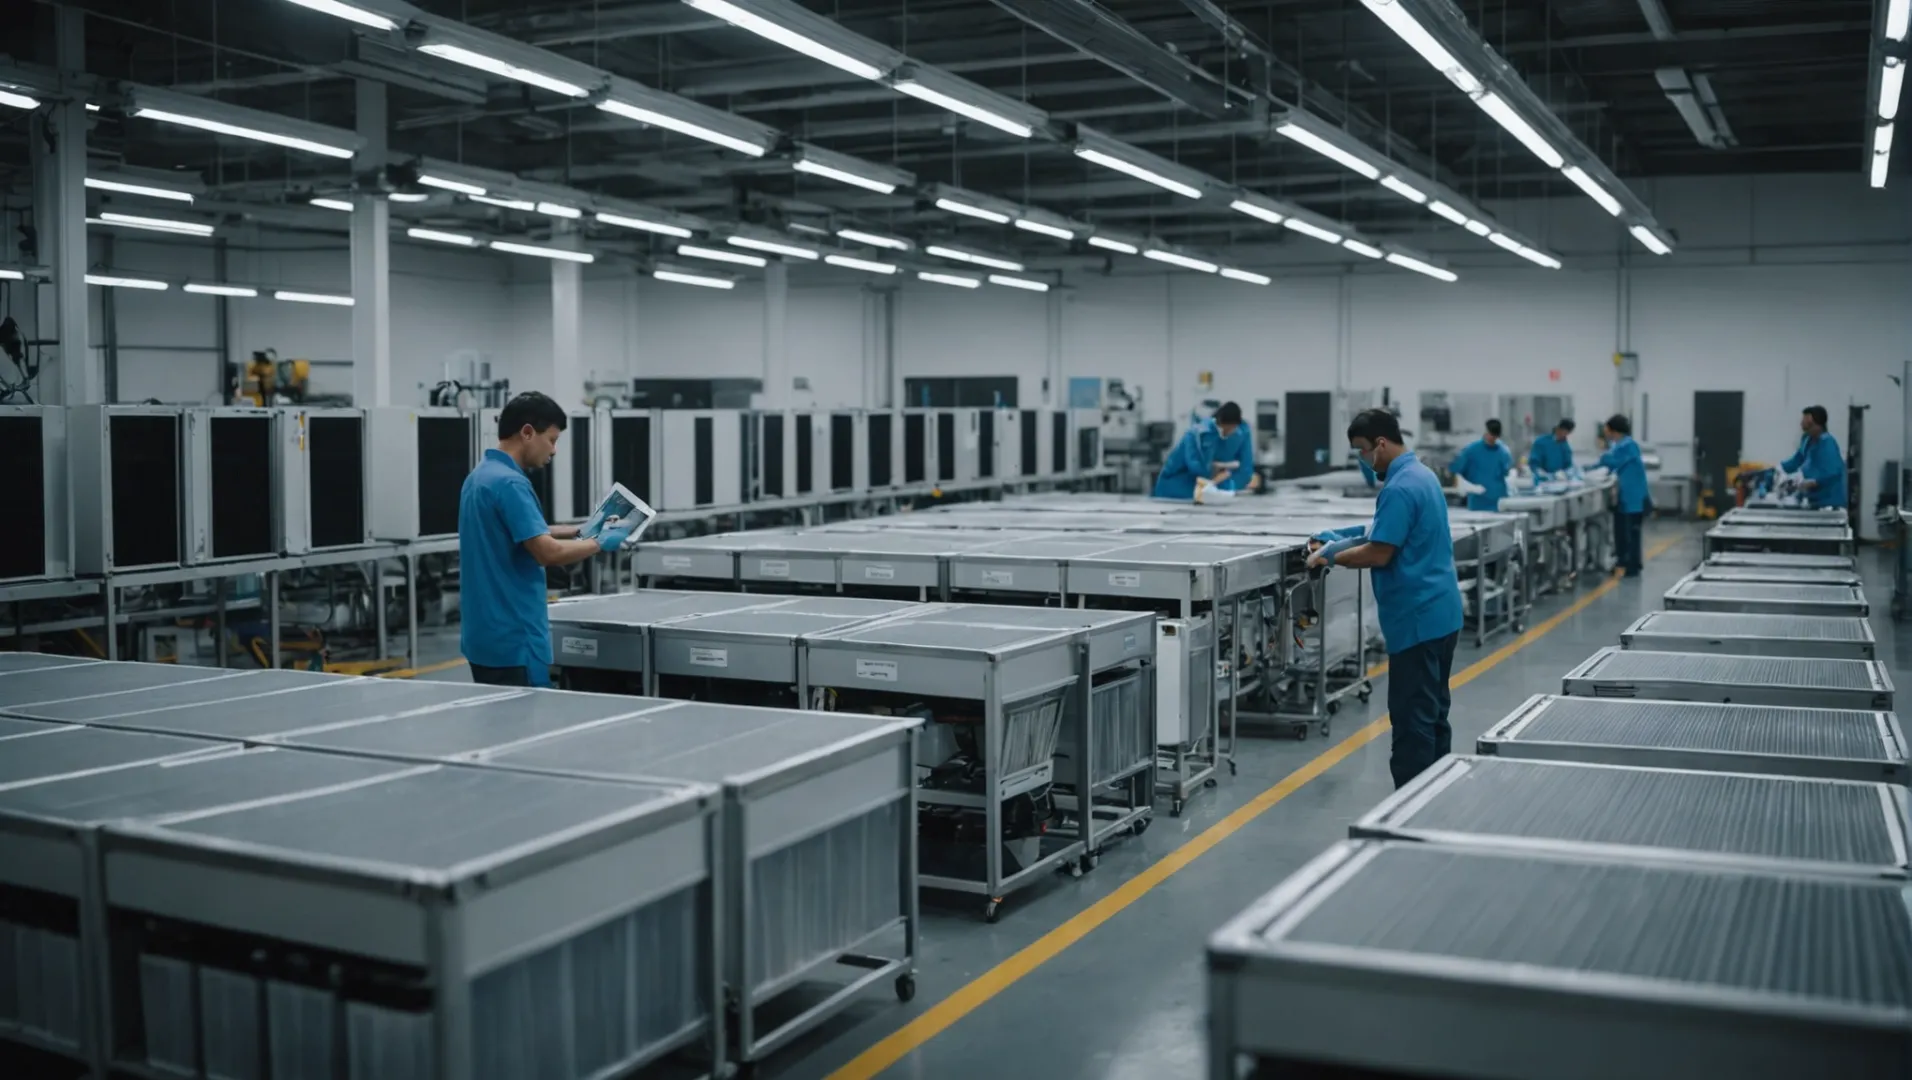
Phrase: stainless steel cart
(1515, 966)
(1770, 559)
(1835, 744)
(603, 642)
(1752, 635)
(1691, 593)
(1781, 539)
(1750, 680)
(750, 657)
(1778, 575)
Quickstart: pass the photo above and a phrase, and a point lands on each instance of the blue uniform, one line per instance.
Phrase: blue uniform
(1201, 449)
(1550, 455)
(1629, 469)
(1417, 593)
(1484, 466)
(501, 588)
(1819, 459)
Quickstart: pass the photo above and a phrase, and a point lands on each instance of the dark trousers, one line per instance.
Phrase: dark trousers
(1418, 701)
(1626, 540)
(500, 676)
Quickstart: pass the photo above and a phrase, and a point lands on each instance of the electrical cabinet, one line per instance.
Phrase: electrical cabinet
(325, 494)
(1006, 442)
(849, 451)
(921, 435)
(125, 462)
(36, 544)
(883, 437)
(1059, 441)
(707, 458)
(791, 449)
(420, 458)
(1029, 445)
(235, 493)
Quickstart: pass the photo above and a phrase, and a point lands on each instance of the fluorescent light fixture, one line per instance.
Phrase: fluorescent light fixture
(1478, 228)
(18, 101)
(1018, 283)
(1114, 245)
(349, 13)
(90, 107)
(112, 282)
(699, 280)
(1183, 261)
(786, 37)
(1649, 240)
(867, 265)
(1359, 248)
(203, 118)
(843, 176)
(1309, 228)
(971, 257)
(1882, 139)
(1328, 149)
(221, 290)
(1539, 257)
(166, 225)
(683, 127)
(1447, 212)
(949, 279)
(719, 255)
(504, 69)
(408, 196)
(1503, 240)
(874, 239)
(12, 275)
(312, 298)
(459, 186)
(1419, 267)
(1027, 225)
(963, 108)
(1593, 189)
(1404, 189)
(558, 210)
(102, 184)
(1249, 276)
(1891, 87)
(806, 227)
(624, 222)
(1256, 210)
(1395, 14)
(560, 254)
(343, 206)
(771, 246)
(1881, 166)
(1109, 161)
(509, 204)
(442, 237)
(1897, 14)
(967, 210)
(1506, 117)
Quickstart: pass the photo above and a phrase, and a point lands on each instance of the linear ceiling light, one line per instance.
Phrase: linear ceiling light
(1504, 115)
(504, 69)
(1404, 189)
(683, 127)
(341, 205)
(220, 127)
(1183, 261)
(1447, 212)
(408, 196)
(1328, 149)
(1249, 276)
(1018, 283)
(1898, 13)
(623, 221)
(1359, 248)
(220, 290)
(561, 254)
(874, 239)
(436, 236)
(959, 255)
(1397, 18)
(1478, 228)
(771, 246)
(111, 282)
(1593, 189)
(1109, 161)
(963, 108)
(1028, 225)
(1504, 241)
(1649, 240)
(967, 210)
(949, 279)
(1308, 228)
(849, 262)
(1256, 210)
(102, 184)
(349, 13)
(459, 186)
(1539, 257)
(719, 255)
(12, 275)
(558, 210)
(1891, 87)
(843, 176)
(165, 225)
(18, 101)
(786, 37)
(312, 298)
(1111, 244)
(1419, 267)
(682, 278)
(1881, 156)
(525, 205)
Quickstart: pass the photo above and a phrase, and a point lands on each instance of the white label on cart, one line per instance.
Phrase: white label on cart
(1128, 643)
(704, 657)
(879, 572)
(677, 562)
(578, 646)
(879, 670)
(773, 567)
(1126, 579)
(999, 577)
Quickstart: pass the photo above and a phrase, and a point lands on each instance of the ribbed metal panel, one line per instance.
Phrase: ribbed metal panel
(1779, 575)
(1739, 670)
(818, 897)
(1755, 590)
(1682, 725)
(1828, 940)
(1124, 736)
(1780, 559)
(1726, 624)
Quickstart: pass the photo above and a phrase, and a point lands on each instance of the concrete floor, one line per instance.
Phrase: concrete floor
(1126, 1000)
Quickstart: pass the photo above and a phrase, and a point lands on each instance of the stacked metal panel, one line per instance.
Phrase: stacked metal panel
(1753, 680)
(1694, 593)
(1774, 560)
(610, 634)
(1781, 539)
(1778, 575)
(1838, 638)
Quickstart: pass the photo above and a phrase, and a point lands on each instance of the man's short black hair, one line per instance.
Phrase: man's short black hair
(1566, 425)
(531, 408)
(1818, 414)
(1493, 428)
(1619, 424)
(1229, 413)
(1372, 424)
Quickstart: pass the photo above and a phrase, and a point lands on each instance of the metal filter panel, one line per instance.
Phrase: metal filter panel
(1752, 680)
(1752, 635)
(1692, 594)
(1779, 559)
(1780, 575)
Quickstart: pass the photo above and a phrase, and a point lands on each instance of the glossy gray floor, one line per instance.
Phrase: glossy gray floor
(1125, 1000)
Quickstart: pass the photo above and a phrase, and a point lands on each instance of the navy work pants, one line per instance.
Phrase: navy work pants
(1418, 701)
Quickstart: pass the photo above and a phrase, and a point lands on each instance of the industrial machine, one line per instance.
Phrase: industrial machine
(267, 380)
(708, 463)
(326, 493)
(629, 446)
(849, 443)
(420, 458)
(126, 476)
(37, 544)
(238, 477)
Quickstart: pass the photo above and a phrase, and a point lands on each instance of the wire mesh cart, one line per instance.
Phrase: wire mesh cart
(1831, 637)
(1749, 680)
(1778, 539)
(515, 926)
(1778, 575)
(1519, 966)
(603, 642)
(1695, 818)
(1833, 744)
(1690, 593)
(999, 694)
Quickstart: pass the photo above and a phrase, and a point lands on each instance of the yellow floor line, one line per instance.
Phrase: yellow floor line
(939, 1017)
(442, 665)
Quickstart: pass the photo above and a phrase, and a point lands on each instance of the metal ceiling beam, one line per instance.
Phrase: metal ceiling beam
(1117, 44)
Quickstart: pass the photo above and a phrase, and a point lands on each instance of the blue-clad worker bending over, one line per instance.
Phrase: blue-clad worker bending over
(1629, 508)
(1485, 463)
(1551, 454)
(1818, 460)
(1215, 458)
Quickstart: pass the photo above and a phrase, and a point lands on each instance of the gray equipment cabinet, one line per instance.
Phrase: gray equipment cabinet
(1751, 680)
(603, 642)
(37, 478)
(1691, 593)
(126, 472)
(326, 492)
(696, 560)
(517, 926)
(704, 458)
(1831, 637)
(1834, 744)
(754, 653)
(1371, 926)
(239, 485)
(20, 689)
(418, 461)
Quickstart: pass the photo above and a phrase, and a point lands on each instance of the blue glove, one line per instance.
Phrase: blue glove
(613, 537)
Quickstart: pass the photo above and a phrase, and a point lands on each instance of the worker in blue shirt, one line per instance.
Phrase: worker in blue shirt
(1485, 464)
(504, 546)
(1551, 454)
(1411, 554)
(1215, 455)
(1818, 460)
(1629, 510)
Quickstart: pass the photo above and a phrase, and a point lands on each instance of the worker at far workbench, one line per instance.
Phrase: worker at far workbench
(1551, 454)
(1818, 460)
(1216, 457)
(1485, 463)
(1632, 499)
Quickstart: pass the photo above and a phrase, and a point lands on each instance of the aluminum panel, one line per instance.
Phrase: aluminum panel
(1752, 635)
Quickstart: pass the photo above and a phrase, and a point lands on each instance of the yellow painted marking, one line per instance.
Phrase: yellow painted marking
(442, 665)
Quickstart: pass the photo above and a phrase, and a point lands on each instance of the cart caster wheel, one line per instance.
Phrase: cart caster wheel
(1088, 863)
(1301, 733)
(1210, 782)
(1175, 808)
(1234, 768)
(905, 987)
(1074, 868)
(1324, 731)
(1365, 693)
(1140, 826)
(992, 911)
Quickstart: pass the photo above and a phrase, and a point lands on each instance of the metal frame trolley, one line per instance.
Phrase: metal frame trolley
(1831, 637)
(1691, 593)
(1614, 672)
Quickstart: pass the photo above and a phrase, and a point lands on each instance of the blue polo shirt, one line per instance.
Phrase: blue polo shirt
(1550, 455)
(1629, 469)
(501, 588)
(1484, 466)
(1417, 593)
(1819, 459)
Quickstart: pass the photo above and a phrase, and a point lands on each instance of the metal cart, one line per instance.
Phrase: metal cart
(1780, 539)
(1829, 518)
(603, 642)
(1834, 744)
(1689, 817)
(1778, 575)
(1691, 593)
(703, 562)
(1517, 966)
(19, 689)
(1751, 680)
(1770, 560)
(1831, 637)
(757, 647)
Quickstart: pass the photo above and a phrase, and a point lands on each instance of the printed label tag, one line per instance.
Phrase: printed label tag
(880, 670)
(677, 562)
(773, 567)
(1126, 579)
(999, 577)
(704, 657)
(578, 646)
(1128, 643)
(879, 572)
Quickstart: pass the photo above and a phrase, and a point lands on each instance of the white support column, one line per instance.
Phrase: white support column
(776, 349)
(1054, 391)
(567, 332)
(371, 263)
(58, 151)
